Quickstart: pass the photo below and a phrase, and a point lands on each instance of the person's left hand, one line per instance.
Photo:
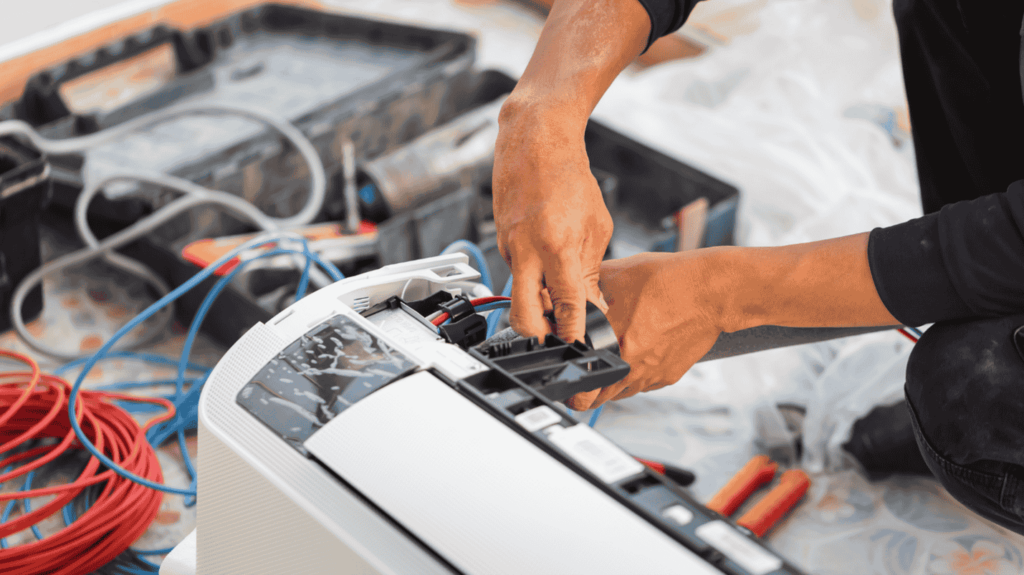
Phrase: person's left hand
(664, 311)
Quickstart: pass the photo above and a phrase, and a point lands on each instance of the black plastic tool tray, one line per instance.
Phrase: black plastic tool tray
(334, 76)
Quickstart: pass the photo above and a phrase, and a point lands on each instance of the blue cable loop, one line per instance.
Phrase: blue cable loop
(154, 568)
(28, 504)
(129, 570)
(595, 415)
(163, 551)
(146, 314)
(135, 384)
(193, 331)
(147, 357)
(495, 318)
(10, 507)
(478, 255)
(300, 292)
(493, 306)
(69, 514)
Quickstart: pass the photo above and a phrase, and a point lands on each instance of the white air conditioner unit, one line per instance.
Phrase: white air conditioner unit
(332, 441)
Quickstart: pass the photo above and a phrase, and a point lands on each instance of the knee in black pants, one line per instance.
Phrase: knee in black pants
(965, 391)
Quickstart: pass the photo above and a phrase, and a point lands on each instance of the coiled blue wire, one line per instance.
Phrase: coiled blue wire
(25, 502)
(193, 331)
(186, 404)
(147, 357)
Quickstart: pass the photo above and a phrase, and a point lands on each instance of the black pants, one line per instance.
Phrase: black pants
(965, 393)
(965, 381)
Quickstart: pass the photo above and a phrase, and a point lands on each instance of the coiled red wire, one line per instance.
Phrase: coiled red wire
(35, 406)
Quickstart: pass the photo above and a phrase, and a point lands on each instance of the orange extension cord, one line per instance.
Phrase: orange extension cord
(35, 406)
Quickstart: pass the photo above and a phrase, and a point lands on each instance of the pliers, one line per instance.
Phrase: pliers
(769, 509)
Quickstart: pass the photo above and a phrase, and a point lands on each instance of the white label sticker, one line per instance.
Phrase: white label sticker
(679, 514)
(538, 418)
(452, 357)
(598, 455)
(735, 546)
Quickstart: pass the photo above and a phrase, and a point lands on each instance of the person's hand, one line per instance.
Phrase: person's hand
(664, 312)
(552, 223)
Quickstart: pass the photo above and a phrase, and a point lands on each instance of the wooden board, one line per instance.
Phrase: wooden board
(181, 14)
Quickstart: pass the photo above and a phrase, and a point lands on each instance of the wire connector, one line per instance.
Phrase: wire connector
(466, 332)
(465, 328)
(458, 308)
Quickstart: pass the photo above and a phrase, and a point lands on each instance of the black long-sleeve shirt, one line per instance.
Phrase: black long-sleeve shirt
(960, 63)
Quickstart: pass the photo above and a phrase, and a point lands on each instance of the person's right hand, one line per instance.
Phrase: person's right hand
(552, 224)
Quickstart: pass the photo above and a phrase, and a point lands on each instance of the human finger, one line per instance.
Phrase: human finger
(564, 279)
(527, 313)
(583, 400)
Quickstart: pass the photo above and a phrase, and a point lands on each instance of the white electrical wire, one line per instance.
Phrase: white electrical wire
(125, 236)
(210, 197)
(194, 196)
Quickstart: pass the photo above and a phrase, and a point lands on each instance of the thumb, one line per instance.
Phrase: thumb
(583, 400)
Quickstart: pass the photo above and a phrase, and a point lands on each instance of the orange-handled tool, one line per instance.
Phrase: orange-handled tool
(776, 503)
(758, 471)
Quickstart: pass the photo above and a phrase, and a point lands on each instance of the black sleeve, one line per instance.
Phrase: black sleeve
(966, 260)
(667, 16)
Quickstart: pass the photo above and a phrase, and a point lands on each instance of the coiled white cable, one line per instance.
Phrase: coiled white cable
(194, 196)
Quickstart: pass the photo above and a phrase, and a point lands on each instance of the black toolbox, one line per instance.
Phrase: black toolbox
(334, 76)
(25, 190)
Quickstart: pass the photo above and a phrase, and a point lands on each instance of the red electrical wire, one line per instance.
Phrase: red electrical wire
(31, 405)
(475, 302)
(906, 333)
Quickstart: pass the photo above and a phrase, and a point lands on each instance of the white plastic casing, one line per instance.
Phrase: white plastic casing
(458, 489)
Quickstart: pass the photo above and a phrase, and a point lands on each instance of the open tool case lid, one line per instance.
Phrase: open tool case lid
(332, 75)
